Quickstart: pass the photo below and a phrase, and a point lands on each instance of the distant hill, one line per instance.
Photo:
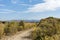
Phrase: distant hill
(31, 21)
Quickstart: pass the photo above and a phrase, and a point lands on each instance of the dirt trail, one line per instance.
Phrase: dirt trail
(19, 36)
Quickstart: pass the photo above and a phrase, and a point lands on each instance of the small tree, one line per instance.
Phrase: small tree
(21, 23)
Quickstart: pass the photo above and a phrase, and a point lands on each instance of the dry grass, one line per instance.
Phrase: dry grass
(29, 25)
(1, 29)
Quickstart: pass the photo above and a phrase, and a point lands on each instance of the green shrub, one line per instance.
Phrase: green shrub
(19, 28)
(10, 28)
(46, 29)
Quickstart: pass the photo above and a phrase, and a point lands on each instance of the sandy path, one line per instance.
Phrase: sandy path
(19, 36)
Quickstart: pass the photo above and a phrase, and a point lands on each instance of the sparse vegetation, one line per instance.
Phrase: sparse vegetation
(1, 30)
(12, 27)
(47, 29)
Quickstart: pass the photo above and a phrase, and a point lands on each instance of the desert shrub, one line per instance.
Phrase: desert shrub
(21, 23)
(10, 28)
(19, 28)
(1, 29)
(46, 29)
(37, 34)
(29, 25)
(7, 30)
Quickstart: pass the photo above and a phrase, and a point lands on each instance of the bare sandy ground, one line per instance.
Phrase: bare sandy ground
(19, 36)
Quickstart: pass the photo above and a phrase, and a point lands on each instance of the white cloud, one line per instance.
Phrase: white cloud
(47, 5)
(24, 4)
(2, 5)
(6, 11)
(14, 1)
(30, 1)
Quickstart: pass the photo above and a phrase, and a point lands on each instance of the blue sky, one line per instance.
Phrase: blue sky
(29, 9)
